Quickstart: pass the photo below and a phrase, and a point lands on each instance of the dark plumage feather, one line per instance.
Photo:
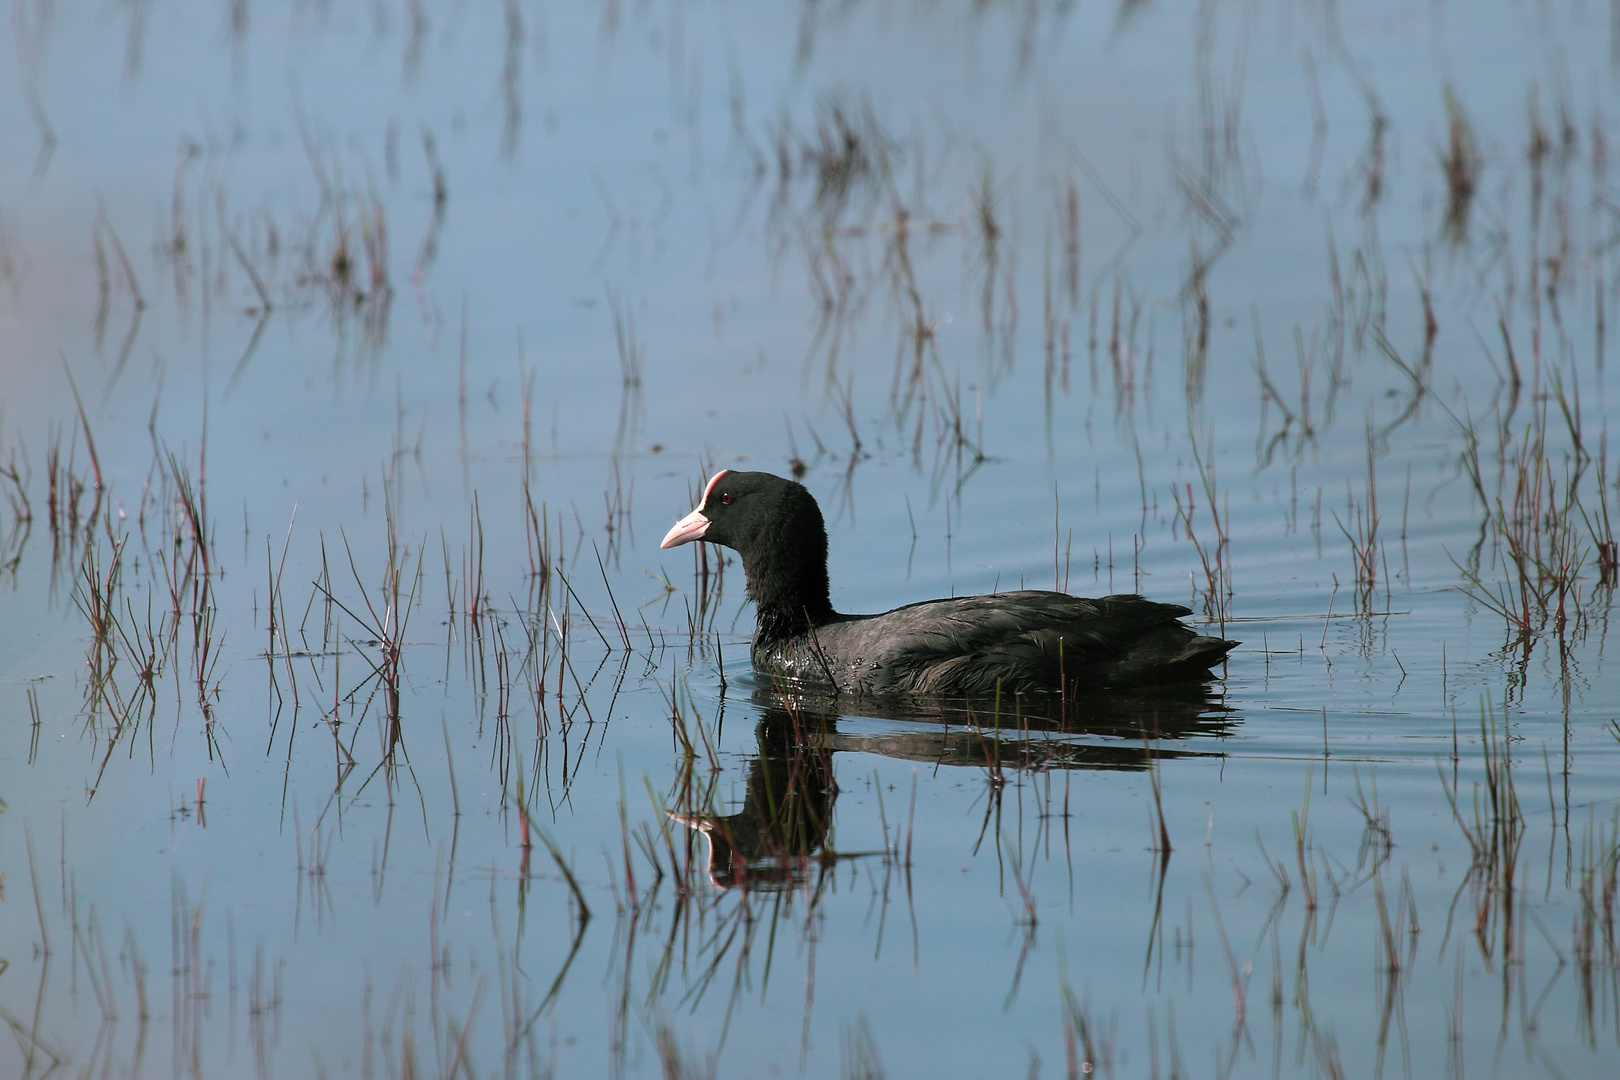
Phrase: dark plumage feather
(975, 646)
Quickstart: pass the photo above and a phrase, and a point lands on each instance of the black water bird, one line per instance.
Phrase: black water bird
(1028, 641)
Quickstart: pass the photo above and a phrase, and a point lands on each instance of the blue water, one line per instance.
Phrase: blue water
(594, 254)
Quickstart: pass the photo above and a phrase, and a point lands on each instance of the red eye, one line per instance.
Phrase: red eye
(725, 498)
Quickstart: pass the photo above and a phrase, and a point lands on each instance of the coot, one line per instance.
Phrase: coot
(1027, 641)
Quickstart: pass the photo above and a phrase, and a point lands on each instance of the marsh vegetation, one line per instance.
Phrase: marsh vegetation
(354, 358)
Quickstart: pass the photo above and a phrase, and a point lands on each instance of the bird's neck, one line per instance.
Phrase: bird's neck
(789, 590)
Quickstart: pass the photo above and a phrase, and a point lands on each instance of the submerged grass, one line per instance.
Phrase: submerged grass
(751, 866)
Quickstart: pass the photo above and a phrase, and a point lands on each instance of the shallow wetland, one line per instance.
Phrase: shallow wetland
(355, 357)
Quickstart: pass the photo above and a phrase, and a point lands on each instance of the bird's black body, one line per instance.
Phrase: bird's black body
(1027, 641)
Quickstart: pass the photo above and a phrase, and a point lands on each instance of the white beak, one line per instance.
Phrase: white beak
(689, 528)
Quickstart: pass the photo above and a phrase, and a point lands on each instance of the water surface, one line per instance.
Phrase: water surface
(354, 358)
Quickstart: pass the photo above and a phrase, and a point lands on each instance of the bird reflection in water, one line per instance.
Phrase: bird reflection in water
(779, 836)
(787, 808)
